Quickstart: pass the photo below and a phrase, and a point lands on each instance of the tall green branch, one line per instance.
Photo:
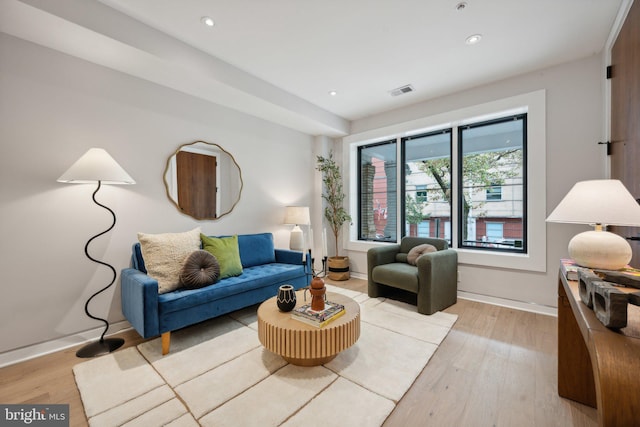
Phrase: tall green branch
(333, 194)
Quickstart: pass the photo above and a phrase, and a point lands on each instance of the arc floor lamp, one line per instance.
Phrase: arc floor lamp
(97, 166)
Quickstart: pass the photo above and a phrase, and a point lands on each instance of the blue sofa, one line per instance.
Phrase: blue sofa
(264, 270)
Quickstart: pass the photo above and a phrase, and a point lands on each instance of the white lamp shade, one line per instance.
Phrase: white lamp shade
(297, 215)
(602, 201)
(96, 165)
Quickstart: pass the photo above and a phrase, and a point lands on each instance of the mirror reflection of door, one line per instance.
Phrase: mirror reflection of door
(197, 185)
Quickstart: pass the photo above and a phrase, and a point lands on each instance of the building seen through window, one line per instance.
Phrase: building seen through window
(490, 190)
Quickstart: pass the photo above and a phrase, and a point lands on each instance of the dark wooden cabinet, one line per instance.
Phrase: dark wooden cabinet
(625, 114)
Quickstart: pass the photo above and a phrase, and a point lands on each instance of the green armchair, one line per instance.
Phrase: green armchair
(434, 278)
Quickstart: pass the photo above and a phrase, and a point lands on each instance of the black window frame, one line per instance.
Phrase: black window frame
(359, 183)
(456, 186)
(523, 247)
(403, 180)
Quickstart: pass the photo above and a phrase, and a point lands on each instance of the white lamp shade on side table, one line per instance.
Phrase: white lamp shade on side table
(599, 202)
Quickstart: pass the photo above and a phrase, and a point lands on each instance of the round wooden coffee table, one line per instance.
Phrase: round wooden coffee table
(302, 344)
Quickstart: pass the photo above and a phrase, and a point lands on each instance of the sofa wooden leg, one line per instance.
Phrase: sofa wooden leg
(166, 342)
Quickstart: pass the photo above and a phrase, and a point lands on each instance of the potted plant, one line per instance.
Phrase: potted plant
(334, 212)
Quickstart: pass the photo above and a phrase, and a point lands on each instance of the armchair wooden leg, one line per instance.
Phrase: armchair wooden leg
(166, 342)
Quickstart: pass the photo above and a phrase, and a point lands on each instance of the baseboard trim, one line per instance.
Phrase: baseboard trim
(23, 354)
(509, 303)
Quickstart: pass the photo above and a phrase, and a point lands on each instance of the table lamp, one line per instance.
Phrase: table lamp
(297, 215)
(97, 166)
(599, 202)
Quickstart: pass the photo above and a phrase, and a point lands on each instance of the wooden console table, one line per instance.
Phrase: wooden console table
(598, 366)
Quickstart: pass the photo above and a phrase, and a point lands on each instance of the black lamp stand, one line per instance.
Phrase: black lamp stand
(104, 345)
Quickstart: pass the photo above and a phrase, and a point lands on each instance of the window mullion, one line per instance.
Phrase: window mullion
(455, 189)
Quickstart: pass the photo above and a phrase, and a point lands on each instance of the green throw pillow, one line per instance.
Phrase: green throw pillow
(226, 251)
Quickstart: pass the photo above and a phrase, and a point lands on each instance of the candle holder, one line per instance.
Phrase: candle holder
(317, 273)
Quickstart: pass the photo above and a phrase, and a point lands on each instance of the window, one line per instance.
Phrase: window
(524, 236)
(492, 168)
(378, 191)
(494, 232)
(494, 192)
(423, 229)
(421, 193)
(427, 160)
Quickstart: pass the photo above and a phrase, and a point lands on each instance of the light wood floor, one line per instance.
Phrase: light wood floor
(497, 367)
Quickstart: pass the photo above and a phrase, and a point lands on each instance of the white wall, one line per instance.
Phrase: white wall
(53, 108)
(574, 125)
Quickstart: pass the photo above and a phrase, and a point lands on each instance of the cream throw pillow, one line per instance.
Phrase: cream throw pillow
(164, 256)
(417, 251)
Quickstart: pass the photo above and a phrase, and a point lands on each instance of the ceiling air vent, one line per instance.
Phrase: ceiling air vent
(402, 90)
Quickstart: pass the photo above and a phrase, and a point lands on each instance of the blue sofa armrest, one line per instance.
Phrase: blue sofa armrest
(140, 301)
(286, 256)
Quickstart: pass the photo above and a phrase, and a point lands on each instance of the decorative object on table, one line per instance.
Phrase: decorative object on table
(598, 202)
(585, 277)
(334, 212)
(317, 273)
(320, 318)
(286, 299)
(627, 276)
(97, 166)
(317, 289)
(297, 215)
(608, 303)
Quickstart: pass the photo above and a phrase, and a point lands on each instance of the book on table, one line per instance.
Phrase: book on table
(320, 318)
(569, 268)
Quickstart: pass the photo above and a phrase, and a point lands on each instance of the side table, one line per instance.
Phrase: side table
(305, 345)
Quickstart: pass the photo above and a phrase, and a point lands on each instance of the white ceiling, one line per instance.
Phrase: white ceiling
(278, 59)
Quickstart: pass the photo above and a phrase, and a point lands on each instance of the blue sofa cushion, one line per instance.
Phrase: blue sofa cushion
(256, 249)
(251, 278)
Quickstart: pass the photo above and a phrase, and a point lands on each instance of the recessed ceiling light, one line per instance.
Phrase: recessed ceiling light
(474, 39)
(333, 93)
(208, 21)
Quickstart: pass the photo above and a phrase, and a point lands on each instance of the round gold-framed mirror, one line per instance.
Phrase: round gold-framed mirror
(203, 180)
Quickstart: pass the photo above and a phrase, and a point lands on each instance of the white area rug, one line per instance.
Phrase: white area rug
(218, 374)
